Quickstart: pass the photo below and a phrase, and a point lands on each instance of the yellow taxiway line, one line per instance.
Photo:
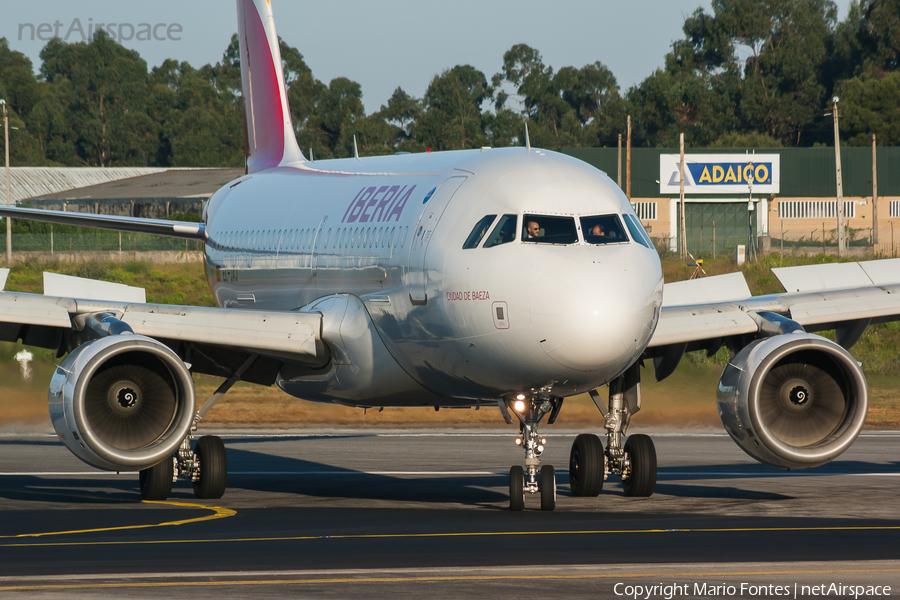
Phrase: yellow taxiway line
(224, 512)
(218, 513)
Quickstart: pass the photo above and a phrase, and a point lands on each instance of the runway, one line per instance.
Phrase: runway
(372, 513)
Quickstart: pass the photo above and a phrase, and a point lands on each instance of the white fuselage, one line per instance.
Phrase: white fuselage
(465, 324)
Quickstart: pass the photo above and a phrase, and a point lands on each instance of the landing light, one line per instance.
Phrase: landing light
(518, 441)
(520, 397)
(519, 406)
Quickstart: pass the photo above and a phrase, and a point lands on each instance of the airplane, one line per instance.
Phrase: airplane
(508, 277)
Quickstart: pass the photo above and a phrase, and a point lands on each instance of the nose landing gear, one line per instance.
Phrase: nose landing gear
(533, 478)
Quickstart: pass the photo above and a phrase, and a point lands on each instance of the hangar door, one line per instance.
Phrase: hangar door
(725, 224)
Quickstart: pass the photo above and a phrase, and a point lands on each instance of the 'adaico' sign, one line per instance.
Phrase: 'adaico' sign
(721, 173)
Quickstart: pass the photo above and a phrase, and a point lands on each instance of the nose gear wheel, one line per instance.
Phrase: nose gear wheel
(533, 478)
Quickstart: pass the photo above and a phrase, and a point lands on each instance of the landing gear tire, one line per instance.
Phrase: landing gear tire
(642, 479)
(516, 488)
(587, 465)
(156, 482)
(210, 453)
(548, 488)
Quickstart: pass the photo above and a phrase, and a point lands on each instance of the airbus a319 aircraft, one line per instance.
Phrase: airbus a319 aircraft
(511, 277)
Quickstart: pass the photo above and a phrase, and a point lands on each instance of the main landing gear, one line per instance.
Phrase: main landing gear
(634, 462)
(533, 478)
(206, 465)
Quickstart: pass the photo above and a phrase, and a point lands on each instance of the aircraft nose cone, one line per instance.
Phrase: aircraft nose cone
(589, 323)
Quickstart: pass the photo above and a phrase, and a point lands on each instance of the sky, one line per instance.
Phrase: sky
(382, 44)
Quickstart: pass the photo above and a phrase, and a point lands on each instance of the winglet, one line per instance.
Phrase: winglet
(267, 116)
(527, 139)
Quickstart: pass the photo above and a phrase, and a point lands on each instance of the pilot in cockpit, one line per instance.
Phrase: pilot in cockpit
(532, 230)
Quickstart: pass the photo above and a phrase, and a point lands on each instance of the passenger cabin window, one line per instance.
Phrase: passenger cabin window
(504, 232)
(544, 229)
(603, 229)
(637, 231)
(478, 232)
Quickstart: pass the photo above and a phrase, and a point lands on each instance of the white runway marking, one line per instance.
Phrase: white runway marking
(344, 473)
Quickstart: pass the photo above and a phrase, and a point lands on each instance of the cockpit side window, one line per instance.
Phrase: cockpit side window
(544, 229)
(603, 229)
(637, 231)
(478, 232)
(504, 232)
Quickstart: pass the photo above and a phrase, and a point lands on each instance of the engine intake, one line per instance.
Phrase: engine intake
(122, 402)
(793, 401)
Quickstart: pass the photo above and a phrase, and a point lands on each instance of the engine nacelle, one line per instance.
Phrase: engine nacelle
(795, 400)
(122, 402)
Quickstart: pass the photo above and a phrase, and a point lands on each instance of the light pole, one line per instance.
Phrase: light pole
(8, 220)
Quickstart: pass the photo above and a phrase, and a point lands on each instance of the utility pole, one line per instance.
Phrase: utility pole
(619, 169)
(840, 187)
(874, 197)
(750, 207)
(681, 197)
(8, 220)
(628, 161)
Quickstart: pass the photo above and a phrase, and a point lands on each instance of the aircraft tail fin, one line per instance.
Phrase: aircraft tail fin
(267, 117)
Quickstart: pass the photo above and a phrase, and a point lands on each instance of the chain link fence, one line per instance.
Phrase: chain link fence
(98, 241)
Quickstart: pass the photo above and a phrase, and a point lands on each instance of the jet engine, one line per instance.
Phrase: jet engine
(795, 400)
(122, 402)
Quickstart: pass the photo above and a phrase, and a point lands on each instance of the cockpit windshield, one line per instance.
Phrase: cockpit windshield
(504, 232)
(603, 229)
(478, 232)
(544, 229)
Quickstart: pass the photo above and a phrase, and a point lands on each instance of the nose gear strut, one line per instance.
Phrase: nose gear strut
(533, 478)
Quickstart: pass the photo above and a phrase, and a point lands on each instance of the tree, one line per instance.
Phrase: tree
(105, 112)
(751, 65)
(452, 118)
(868, 106)
(691, 95)
(20, 89)
(572, 107)
(401, 113)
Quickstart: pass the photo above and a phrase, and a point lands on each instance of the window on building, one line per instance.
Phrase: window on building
(645, 211)
(813, 209)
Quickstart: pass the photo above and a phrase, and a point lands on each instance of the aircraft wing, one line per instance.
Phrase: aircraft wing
(704, 314)
(176, 229)
(213, 340)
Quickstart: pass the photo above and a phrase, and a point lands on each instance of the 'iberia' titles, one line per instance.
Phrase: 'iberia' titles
(378, 205)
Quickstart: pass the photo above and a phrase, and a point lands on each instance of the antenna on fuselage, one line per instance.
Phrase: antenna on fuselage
(355, 149)
(527, 139)
(311, 159)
